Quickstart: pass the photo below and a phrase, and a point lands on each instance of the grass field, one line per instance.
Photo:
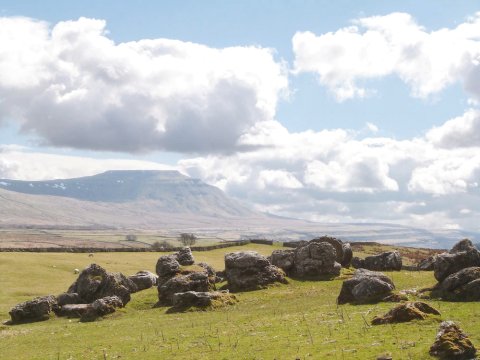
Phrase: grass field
(300, 320)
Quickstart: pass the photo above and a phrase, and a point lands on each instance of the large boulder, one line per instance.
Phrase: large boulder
(248, 270)
(101, 307)
(194, 279)
(462, 245)
(144, 279)
(427, 264)
(283, 259)
(167, 267)
(387, 261)
(186, 300)
(365, 287)
(95, 282)
(408, 311)
(69, 298)
(343, 250)
(464, 285)
(449, 263)
(315, 259)
(37, 309)
(185, 256)
(451, 343)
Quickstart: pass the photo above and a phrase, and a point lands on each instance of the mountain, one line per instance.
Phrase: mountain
(170, 202)
(169, 190)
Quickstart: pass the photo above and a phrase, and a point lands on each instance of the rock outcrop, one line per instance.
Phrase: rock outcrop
(248, 270)
(192, 279)
(387, 261)
(464, 285)
(95, 282)
(365, 287)
(185, 256)
(461, 256)
(143, 280)
(451, 343)
(316, 259)
(37, 309)
(202, 300)
(406, 312)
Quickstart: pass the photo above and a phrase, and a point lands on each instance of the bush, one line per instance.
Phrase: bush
(187, 239)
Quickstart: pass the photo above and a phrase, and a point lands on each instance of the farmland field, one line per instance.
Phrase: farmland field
(298, 320)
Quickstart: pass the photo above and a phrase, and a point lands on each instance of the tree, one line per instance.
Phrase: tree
(187, 239)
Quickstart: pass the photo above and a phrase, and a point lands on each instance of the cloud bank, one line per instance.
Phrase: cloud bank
(72, 86)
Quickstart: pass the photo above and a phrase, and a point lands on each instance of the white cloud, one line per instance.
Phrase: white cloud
(378, 46)
(70, 85)
(462, 131)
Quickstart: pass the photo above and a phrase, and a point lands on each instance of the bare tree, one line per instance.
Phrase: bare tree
(187, 239)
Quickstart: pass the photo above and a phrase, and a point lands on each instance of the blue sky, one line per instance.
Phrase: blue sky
(365, 113)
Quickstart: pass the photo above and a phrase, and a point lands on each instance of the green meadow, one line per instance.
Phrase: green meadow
(300, 320)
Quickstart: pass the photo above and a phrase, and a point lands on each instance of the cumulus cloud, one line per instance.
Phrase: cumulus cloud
(393, 44)
(70, 85)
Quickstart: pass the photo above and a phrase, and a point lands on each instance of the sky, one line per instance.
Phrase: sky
(340, 111)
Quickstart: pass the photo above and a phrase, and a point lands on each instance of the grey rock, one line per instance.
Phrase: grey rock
(167, 267)
(101, 307)
(315, 259)
(462, 245)
(449, 263)
(183, 282)
(357, 263)
(95, 282)
(387, 261)
(37, 309)
(69, 298)
(463, 285)
(185, 300)
(347, 255)
(248, 270)
(185, 256)
(365, 287)
(283, 259)
(427, 264)
(451, 343)
(144, 280)
(343, 250)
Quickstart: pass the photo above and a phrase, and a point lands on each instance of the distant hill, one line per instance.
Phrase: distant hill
(172, 202)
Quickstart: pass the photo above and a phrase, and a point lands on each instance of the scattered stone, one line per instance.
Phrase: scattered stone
(69, 298)
(427, 264)
(37, 309)
(195, 279)
(144, 280)
(101, 307)
(185, 256)
(248, 270)
(449, 263)
(95, 282)
(283, 259)
(186, 300)
(464, 285)
(365, 287)
(387, 261)
(406, 312)
(452, 343)
(315, 260)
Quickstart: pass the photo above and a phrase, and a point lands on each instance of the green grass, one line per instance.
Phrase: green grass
(299, 320)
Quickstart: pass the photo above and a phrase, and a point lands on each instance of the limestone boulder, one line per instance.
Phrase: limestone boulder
(95, 282)
(463, 285)
(343, 250)
(196, 279)
(38, 309)
(201, 300)
(450, 263)
(427, 264)
(387, 261)
(316, 260)
(283, 259)
(167, 267)
(248, 270)
(451, 343)
(144, 280)
(365, 287)
(69, 298)
(185, 256)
